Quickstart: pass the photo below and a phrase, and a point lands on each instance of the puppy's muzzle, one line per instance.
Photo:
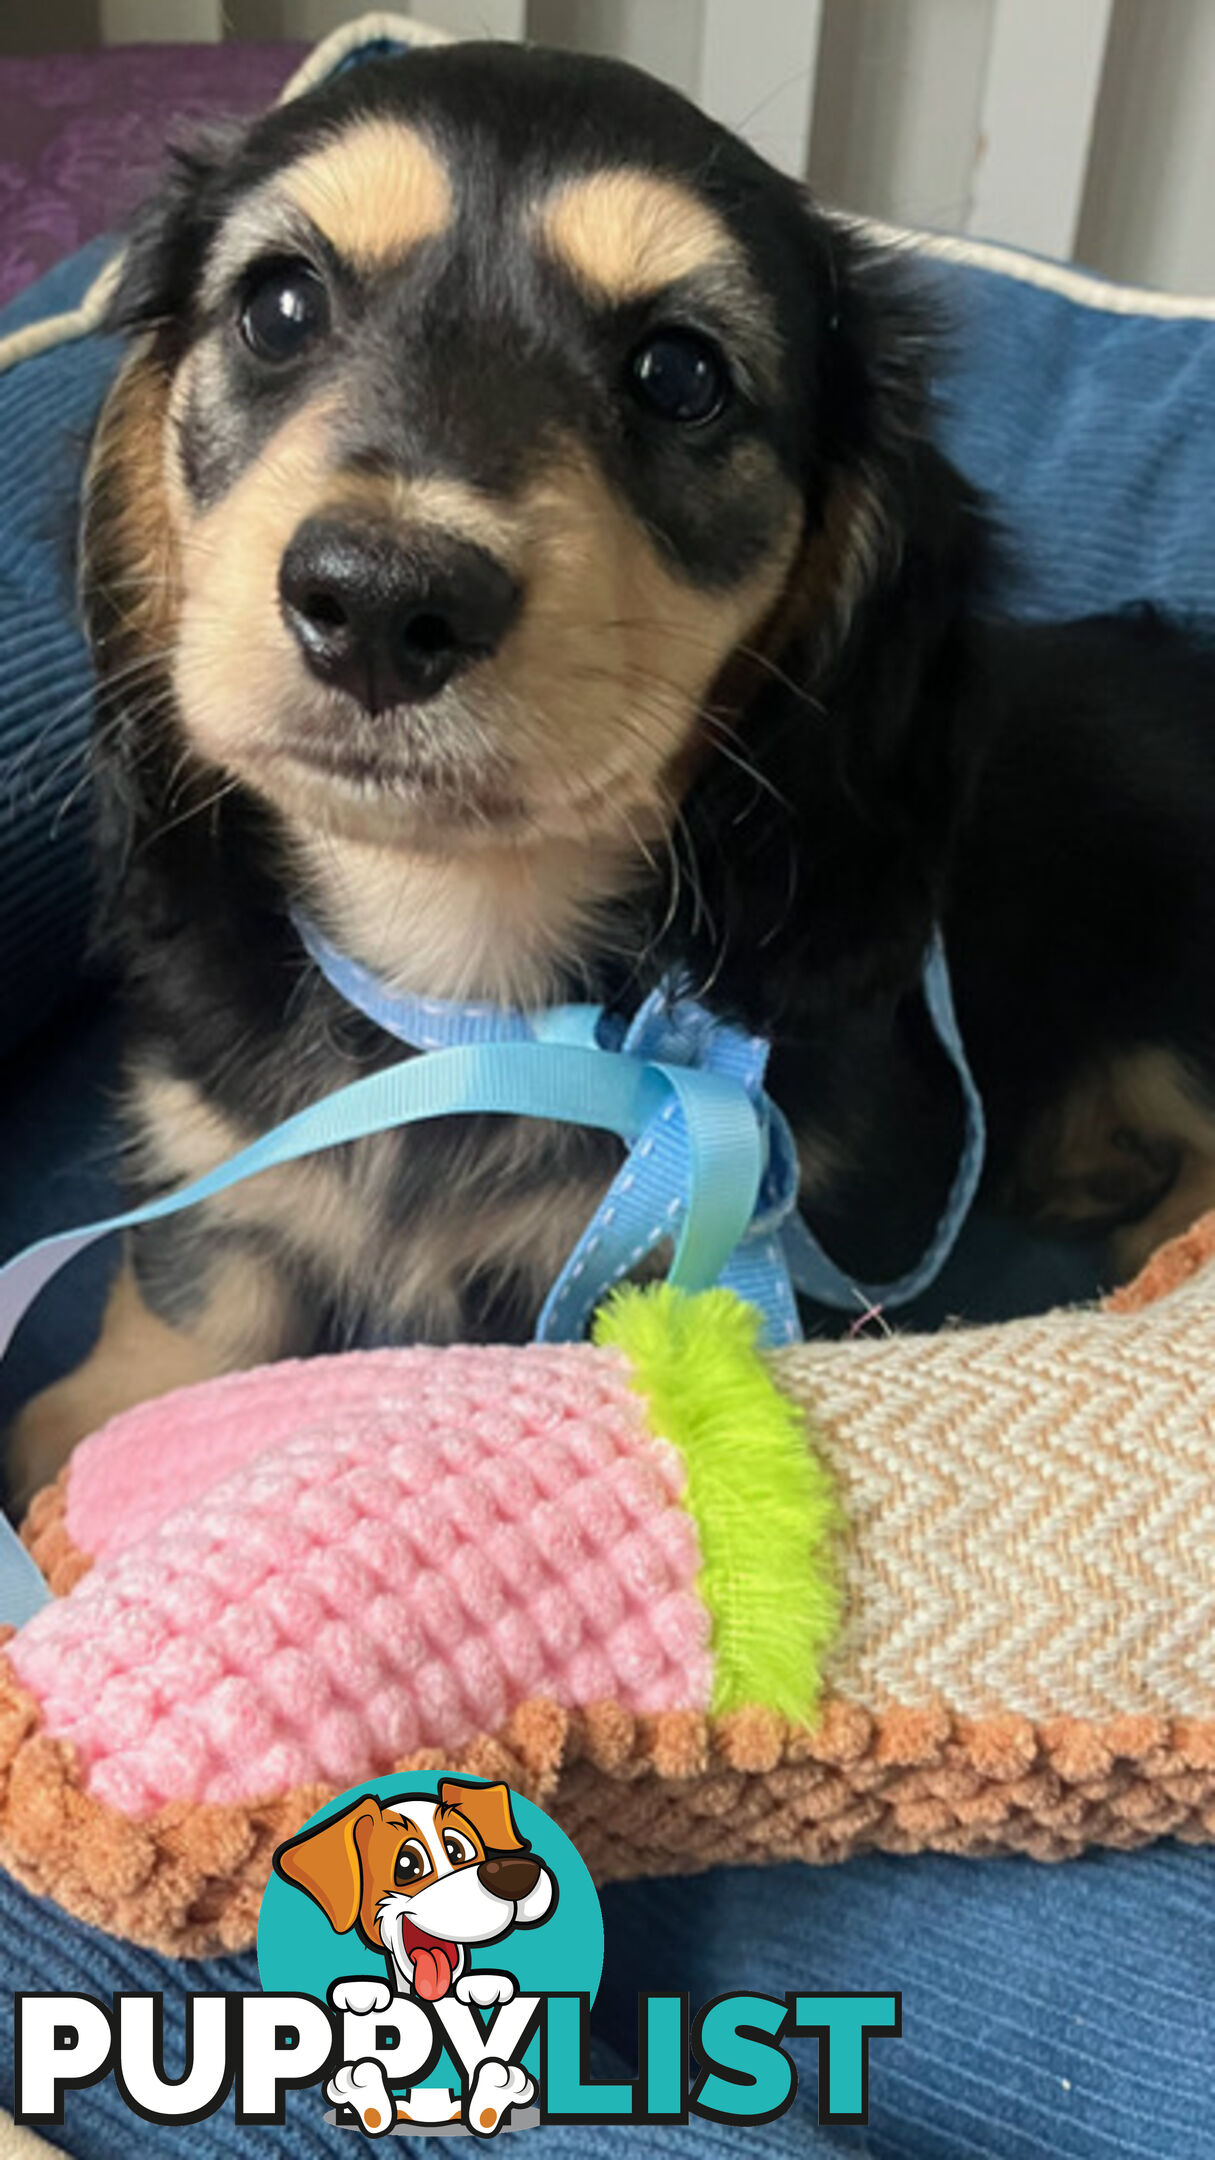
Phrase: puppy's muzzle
(512, 1878)
(390, 618)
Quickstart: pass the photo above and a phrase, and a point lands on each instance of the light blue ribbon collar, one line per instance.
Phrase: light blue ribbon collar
(652, 1199)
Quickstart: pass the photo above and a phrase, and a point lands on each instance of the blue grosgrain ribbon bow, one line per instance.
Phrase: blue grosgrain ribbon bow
(754, 1241)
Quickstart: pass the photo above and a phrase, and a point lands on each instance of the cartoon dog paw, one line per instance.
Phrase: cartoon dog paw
(485, 1988)
(363, 1998)
(497, 2088)
(362, 2086)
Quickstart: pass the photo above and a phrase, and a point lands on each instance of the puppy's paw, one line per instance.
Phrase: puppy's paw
(363, 2087)
(43, 1436)
(497, 2088)
(485, 1988)
(363, 1998)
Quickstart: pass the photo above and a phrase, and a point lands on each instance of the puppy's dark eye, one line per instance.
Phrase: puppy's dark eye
(285, 311)
(411, 1863)
(680, 376)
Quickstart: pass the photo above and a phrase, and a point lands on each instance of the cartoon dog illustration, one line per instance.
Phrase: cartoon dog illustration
(422, 1879)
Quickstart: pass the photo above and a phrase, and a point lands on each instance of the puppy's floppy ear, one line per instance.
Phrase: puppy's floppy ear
(904, 668)
(487, 1808)
(327, 1862)
(126, 564)
(914, 546)
(907, 649)
(833, 874)
(169, 235)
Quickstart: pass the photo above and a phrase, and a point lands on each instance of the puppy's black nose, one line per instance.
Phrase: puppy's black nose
(391, 619)
(511, 1878)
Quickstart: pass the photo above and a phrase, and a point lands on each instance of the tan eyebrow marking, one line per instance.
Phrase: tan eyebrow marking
(374, 191)
(628, 232)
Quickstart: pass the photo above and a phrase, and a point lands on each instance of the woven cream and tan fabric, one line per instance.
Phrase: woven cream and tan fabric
(1031, 1511)
(19, 2144)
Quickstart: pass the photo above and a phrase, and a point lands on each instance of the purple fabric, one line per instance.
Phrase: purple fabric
(82, 135)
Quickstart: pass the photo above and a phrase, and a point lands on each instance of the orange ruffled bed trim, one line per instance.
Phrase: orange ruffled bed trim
(669, 1794)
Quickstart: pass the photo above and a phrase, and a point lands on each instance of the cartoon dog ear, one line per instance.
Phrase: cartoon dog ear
(487, 1808)
(327, 1862)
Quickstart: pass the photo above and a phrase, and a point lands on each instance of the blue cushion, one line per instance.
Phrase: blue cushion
(1084, 411)
(48, 405)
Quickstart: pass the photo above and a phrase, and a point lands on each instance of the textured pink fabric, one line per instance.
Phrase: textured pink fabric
(409, 1549)
(125, 1479)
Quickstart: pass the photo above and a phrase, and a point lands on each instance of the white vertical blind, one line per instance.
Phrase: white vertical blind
(477, 18)
(896, 117)
(1043, 77)
(178, 22)
(757, 71)
(1150, 191)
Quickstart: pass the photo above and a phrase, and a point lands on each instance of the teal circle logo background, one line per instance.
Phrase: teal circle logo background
(299, 1954)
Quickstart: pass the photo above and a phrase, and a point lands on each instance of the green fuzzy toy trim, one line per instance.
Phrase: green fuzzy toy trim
(762, 1500)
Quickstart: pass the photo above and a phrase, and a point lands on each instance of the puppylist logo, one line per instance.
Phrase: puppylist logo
(429, 1950)
(437, 1886)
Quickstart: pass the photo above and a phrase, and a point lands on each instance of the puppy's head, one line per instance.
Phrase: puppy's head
(421, 1877)
(493, 414)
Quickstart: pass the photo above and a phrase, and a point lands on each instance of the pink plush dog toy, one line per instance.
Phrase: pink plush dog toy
(705, 1604)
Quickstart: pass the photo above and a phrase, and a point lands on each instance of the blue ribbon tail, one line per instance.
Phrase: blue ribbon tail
(815, 1273)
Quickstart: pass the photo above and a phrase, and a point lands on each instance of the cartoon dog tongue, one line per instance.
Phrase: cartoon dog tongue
(434, 1962)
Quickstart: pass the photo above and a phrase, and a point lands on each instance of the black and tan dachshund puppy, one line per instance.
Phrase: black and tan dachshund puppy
(514, 539)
